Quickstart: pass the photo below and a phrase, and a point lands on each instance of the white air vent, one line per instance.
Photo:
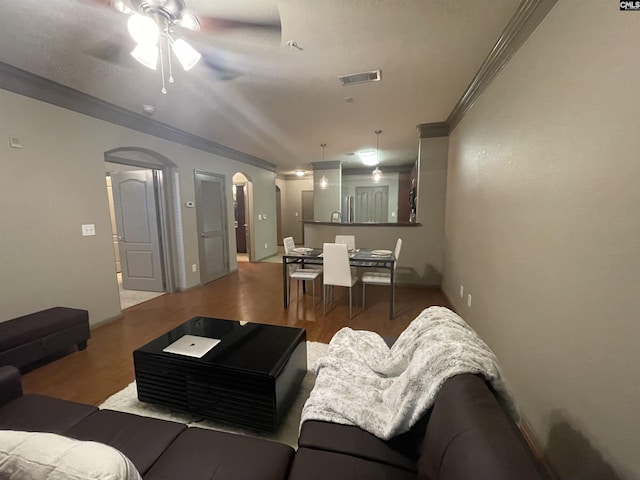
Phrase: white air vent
(372, 76)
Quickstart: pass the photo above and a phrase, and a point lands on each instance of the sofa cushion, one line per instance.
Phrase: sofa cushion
(351, 440)
(470, 436)
(199, 454)
(28, 455)
(10, 384)
(142, 439)
(40, 324)
(38, 413)
(310, 464)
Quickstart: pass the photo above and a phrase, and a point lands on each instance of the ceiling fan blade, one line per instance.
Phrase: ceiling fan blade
(116, 52)
(217, 25)
(221, 67)
(122, 6)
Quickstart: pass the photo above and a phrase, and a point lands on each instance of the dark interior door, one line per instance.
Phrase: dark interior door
(241, 230)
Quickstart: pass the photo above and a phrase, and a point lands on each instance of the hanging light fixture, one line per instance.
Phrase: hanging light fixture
(154, 23)
(377, 173)
(324, 182)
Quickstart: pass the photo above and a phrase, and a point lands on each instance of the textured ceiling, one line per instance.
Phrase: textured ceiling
(281, 103)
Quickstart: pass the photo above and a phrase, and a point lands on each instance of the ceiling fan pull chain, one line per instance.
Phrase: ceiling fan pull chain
(164, 89)
(169, 58)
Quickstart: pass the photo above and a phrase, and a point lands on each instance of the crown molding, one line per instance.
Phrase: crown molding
(293, 176)
(432, 130)
(523, 22)
(326, 165)
(368, 170)
(30, 85)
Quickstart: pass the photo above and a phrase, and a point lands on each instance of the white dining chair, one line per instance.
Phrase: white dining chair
(337, 272)
(348, 240)
(381, 277)
(289, 244)
(299, 274)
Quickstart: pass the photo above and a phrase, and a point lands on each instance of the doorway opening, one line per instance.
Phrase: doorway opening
(133, 194)
(307, 208)
(242, 207)
(141, 186)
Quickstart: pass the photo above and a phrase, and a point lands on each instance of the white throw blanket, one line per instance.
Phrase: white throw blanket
(363, 382)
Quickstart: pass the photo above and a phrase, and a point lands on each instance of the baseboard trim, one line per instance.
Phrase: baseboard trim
(193, 287)
(105, 321)
(536, 447)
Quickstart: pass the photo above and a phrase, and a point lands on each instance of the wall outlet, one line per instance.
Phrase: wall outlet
(265, 245)
(469, 300)
(461, 291)
(264, 216)
(194, 268)
(88, 230)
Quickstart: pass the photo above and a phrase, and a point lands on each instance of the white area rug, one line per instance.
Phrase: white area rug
(126, 400)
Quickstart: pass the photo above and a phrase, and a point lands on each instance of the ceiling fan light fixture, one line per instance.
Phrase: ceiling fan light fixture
(121, 7)
(185, 53)
(144, 30)
(147, 55)
(189, 21)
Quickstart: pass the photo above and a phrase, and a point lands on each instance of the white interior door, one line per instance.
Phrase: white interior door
(136, 216)
(211, 210)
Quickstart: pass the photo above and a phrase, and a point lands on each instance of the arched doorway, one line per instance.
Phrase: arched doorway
(242, 208)
(140, 186)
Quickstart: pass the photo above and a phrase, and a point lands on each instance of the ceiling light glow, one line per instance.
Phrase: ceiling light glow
(147, 55)
(143, 30)
(369, 157)
(185, 53)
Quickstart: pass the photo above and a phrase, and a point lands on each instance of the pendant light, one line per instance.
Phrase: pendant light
(324, 182)
(377, 173)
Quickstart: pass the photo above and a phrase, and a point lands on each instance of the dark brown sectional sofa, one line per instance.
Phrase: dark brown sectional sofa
(466, 435)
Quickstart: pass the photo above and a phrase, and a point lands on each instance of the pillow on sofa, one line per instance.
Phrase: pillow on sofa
(27, 455)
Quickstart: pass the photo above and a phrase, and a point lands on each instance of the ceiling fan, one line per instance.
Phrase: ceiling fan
(161, 29)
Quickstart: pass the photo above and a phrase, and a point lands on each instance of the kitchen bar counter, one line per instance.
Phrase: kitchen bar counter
(359, 224)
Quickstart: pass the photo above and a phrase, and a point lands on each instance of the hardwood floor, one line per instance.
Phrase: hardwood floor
(253, 294)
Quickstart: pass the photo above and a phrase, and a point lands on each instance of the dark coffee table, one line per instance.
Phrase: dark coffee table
(249, 379)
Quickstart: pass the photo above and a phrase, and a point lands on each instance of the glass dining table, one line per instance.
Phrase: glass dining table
(361, 257)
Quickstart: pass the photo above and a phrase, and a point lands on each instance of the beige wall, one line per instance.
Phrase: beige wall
(329, 199)
(543, 230)
(56, 183)
(291, 206)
